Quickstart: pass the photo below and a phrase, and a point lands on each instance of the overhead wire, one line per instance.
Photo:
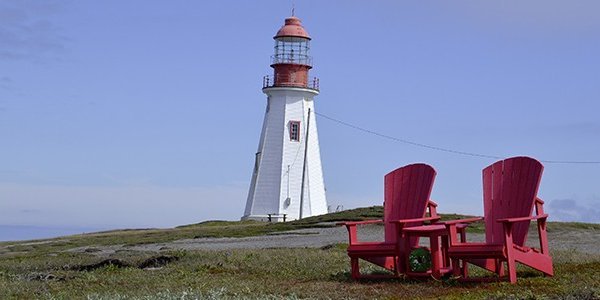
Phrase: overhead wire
(442, 149)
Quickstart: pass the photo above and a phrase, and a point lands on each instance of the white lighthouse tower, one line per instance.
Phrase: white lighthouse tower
(287, 181)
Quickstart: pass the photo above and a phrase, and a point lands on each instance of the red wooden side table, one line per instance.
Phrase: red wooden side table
(438, 245)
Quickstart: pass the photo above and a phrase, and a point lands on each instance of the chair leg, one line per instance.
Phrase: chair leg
(445, 258)
(512, 271)
(549, 273)
(463, 236)
(404, 244)
(354, 268)
(510, 258)
(500, 268)
(436, 257)
(455, 267)
(465, 269)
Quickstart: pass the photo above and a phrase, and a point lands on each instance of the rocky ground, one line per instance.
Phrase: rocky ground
(585, 241)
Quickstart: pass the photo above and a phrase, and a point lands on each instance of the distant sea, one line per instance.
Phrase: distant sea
(23, 232)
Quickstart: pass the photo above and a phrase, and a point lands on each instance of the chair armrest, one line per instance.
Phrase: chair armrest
(522, 219)
(454, 222)
(351, 227)
(401, 223)
(404, 221)
(538, 200)
(507, 224)
(354, 223)
(432, 203)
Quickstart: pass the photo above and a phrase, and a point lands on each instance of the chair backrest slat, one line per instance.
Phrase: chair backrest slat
(509, 190)
(407, 191)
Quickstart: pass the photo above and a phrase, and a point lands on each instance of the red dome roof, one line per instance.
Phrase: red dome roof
(293, 27)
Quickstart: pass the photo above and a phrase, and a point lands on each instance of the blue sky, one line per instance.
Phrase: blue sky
(148, 113)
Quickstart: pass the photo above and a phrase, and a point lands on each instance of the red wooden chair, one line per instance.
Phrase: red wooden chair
(509, 196)
(407, 192)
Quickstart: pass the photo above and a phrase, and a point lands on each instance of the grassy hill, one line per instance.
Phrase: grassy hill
(45, 269)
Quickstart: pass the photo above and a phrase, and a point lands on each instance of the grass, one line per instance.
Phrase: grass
(269, 274)
(43, 270)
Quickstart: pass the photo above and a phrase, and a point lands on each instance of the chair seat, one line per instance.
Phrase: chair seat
(372, 248)
(476, 250)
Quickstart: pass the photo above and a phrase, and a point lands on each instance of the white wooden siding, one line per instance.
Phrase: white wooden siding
(269, 186)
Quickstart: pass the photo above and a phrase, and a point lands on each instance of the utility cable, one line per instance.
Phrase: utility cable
(472, 154)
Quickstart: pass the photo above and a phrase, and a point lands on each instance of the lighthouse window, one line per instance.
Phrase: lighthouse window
(292, 50)
(256, 162)
(295, 131)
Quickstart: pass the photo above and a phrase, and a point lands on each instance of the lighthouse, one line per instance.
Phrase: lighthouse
(287, 180)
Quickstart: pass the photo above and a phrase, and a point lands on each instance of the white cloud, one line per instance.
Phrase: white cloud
(570, 210)
(27, 31)
(552, 16)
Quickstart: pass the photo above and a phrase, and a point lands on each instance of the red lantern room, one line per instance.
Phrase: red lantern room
(292, 59)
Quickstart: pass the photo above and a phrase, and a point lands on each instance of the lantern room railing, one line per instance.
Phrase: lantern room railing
(290, 58)
(284, 81)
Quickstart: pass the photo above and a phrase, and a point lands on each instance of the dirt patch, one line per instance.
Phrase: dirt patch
(157, 262)
(150, 263)
(328, 247)
(105, 263)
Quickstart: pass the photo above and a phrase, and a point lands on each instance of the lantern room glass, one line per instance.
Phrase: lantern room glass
(292, 50)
